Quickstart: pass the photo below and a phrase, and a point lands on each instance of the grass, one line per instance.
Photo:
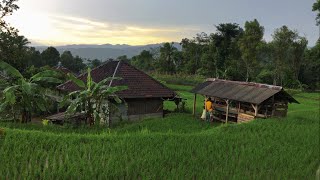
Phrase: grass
(176, 147)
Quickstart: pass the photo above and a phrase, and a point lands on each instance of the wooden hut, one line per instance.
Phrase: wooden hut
(144, 96)
(244, 101)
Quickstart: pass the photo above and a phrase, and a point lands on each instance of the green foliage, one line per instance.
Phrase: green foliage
(25, 94)
(93, 99)
(179, 79)
(50, 56)
(288, 49)
(1, 132)
(7, 7)
(45, 122)
(248, 44)
(94, 63)
(167, 59)
(144, 61)
(316, 7)
(75, 64)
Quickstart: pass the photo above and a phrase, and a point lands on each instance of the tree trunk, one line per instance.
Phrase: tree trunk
(247, 75)
(26, 116)
(108, 115)
(90, 113)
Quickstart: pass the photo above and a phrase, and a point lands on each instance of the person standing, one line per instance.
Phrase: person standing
(209, 109)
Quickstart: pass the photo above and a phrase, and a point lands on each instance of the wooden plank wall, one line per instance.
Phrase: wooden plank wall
(144, 106)
(244, 118)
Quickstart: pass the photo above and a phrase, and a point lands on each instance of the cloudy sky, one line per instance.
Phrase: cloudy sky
(137, 22)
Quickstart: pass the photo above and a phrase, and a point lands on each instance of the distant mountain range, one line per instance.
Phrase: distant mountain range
(105, 51)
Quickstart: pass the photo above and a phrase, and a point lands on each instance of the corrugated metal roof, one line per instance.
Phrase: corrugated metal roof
(240, 91)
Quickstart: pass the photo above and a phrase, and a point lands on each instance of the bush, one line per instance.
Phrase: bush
(179, 79)
(1, 132)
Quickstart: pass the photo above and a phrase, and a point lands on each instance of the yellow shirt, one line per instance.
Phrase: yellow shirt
(209, 106)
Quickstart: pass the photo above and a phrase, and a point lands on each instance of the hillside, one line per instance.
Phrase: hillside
(105, 51)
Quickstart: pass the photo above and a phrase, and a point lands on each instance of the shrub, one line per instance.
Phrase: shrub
(1, 132)
(179, 79)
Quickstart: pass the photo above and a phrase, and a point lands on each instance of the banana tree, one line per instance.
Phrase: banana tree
(25, 95)
(95, 100)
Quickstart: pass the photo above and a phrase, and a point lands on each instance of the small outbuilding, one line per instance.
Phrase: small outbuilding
(236, 101)
(143, 98)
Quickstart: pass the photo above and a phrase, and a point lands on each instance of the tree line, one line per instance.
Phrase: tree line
(237, 53)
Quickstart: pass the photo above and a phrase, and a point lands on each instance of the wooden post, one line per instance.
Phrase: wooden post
(227, 112)
(256, 110)
(255, 107)
(194, 105)
(273, 108)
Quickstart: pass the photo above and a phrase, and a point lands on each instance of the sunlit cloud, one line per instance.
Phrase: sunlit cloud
(61, 29)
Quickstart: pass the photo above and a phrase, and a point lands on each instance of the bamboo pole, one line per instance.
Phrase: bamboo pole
(194, 105)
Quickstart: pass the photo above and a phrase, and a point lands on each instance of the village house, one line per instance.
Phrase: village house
(144, 97)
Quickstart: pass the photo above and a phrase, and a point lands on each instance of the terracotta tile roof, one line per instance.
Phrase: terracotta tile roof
(140, 85)
(240, 91)
(62, 69)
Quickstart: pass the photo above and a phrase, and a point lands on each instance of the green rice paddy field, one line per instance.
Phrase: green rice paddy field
(176, 147)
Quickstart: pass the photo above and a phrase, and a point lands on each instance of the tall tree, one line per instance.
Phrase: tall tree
(7, 7)
(143, 61)
(33, 57)
(67, 59)
(12, 45)
(288, 47)
(75, 64)
(310, 68)
(299, 47)
(50, 56)
(13, 49)
(316, 7)
(192, 50)
(167, 58)
(225, 40)
(78, 66)
(248, 45)
(94, 63)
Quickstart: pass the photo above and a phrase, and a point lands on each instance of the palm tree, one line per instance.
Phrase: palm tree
(25, 95)
(95, 100)
(167, 57)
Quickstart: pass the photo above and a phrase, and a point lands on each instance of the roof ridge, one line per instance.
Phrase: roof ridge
(114, 73)
(260, 85)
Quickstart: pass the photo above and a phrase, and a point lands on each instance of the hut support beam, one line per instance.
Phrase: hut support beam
(194, 105)
(227, 111)
(255, 107)
(272, 113)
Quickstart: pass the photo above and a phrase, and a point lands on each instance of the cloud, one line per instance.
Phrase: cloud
(52, 29)
(95, 31)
